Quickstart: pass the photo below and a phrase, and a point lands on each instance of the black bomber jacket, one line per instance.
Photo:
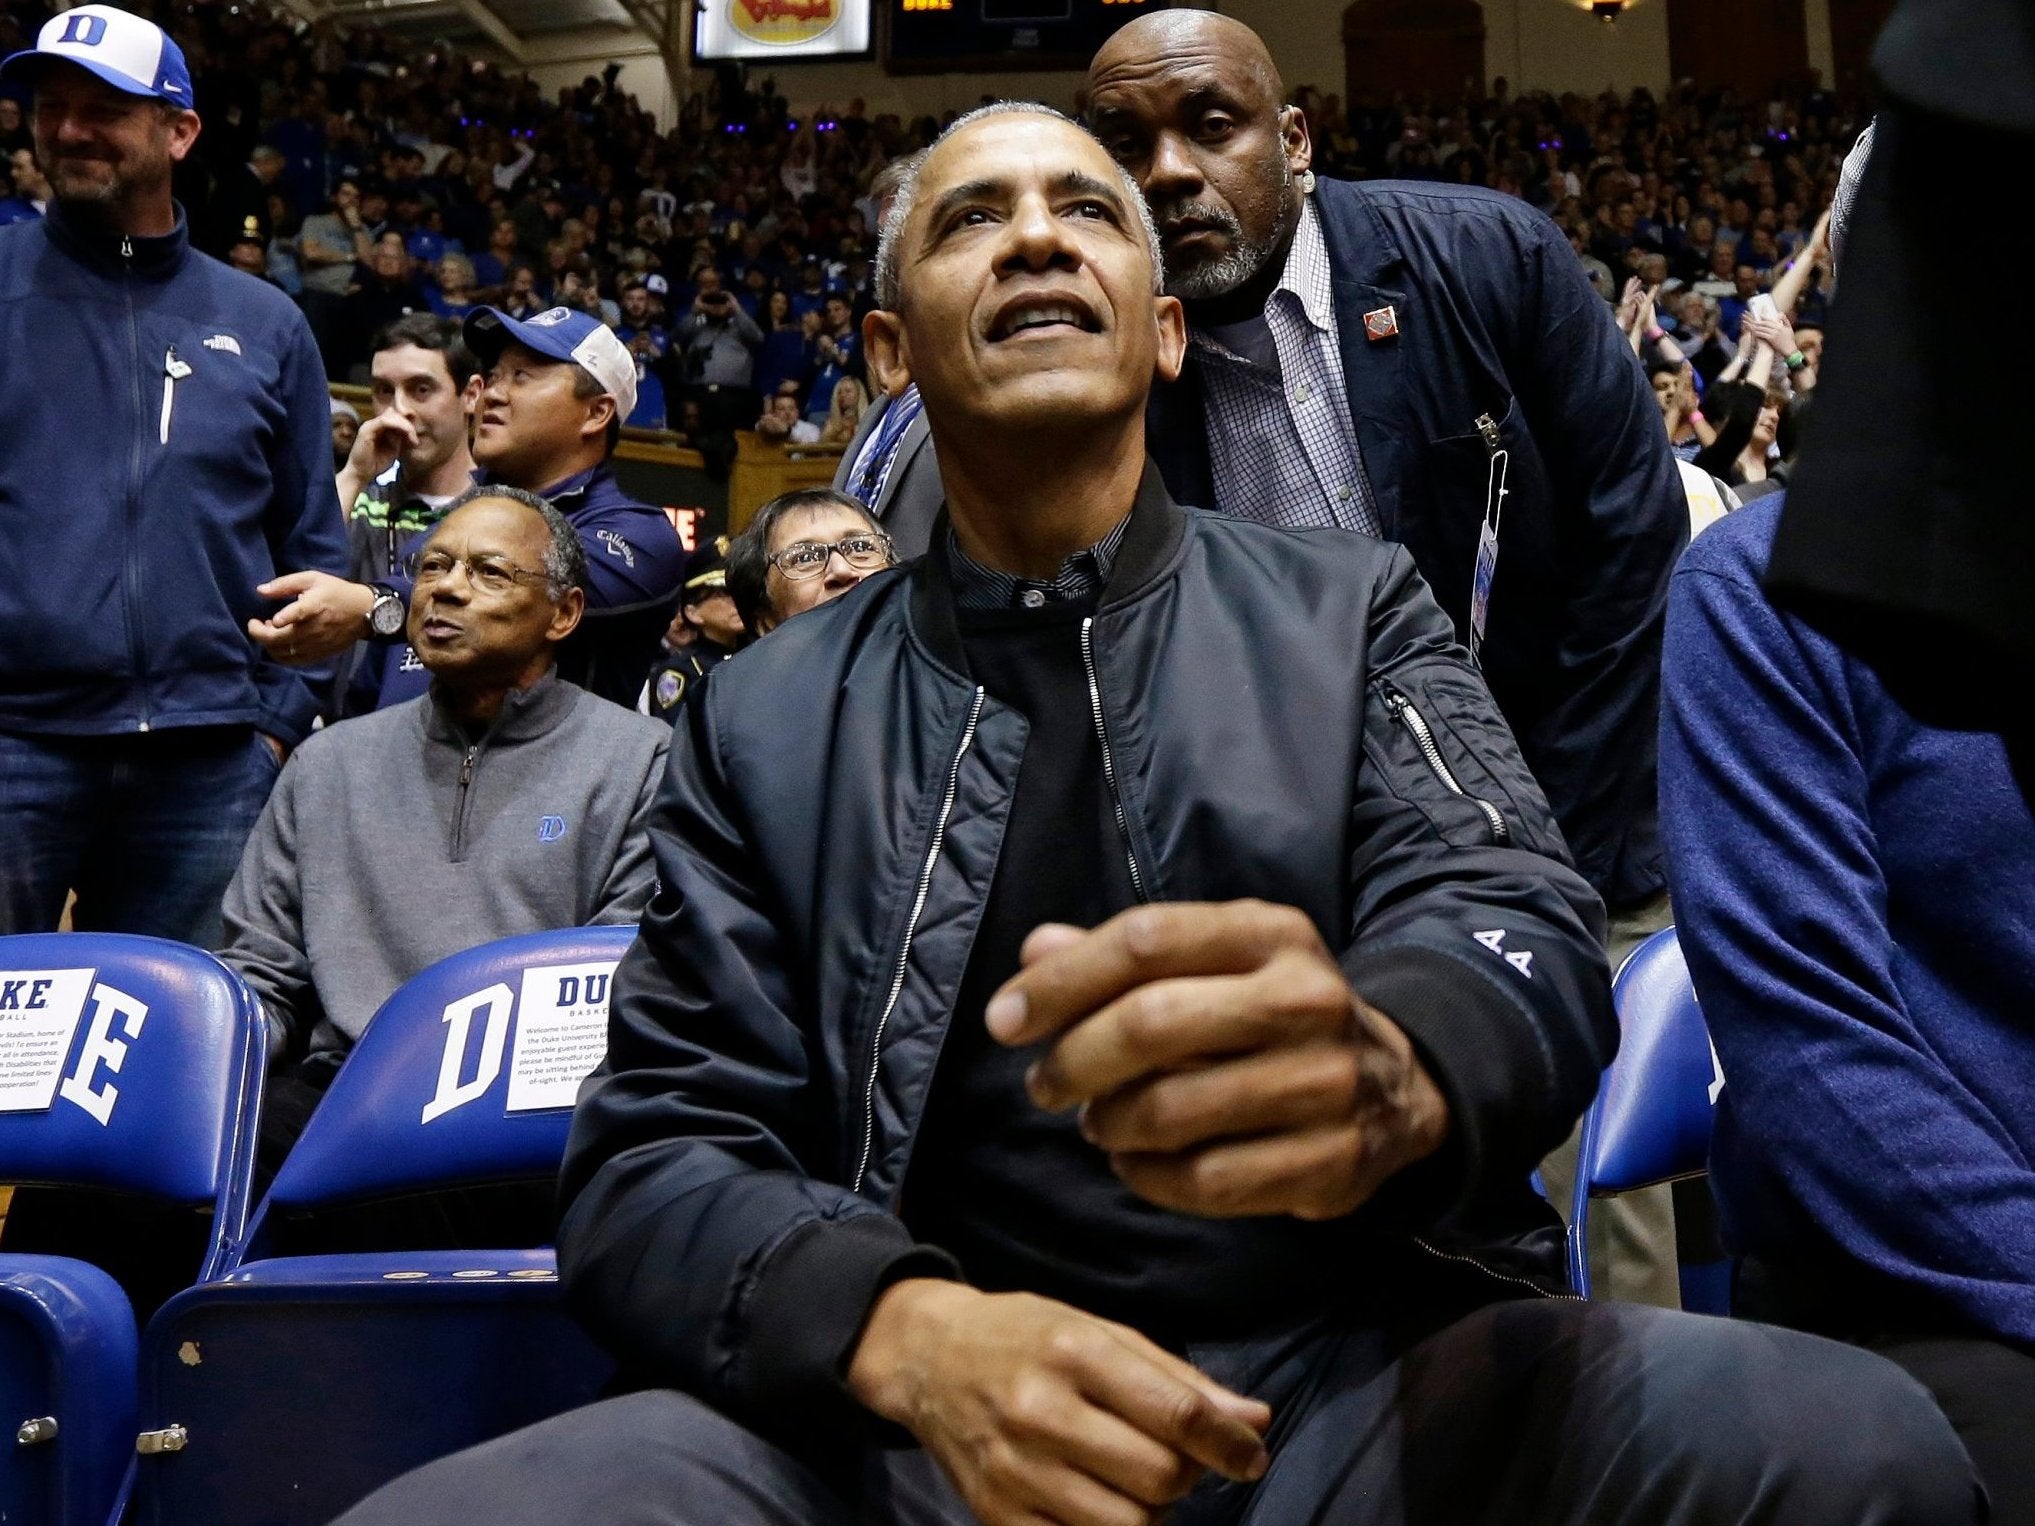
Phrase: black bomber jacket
(1284, 714)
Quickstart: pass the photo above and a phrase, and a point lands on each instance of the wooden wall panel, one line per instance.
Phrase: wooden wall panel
(1854, 27)
(1429, 48)
(1750, 45)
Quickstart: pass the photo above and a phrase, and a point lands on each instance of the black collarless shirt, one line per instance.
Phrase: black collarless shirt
(1015, 1193)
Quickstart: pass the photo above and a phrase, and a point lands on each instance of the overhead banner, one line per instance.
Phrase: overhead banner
(760, 30)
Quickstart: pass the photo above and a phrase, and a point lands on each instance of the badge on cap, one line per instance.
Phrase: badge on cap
(1383, 323)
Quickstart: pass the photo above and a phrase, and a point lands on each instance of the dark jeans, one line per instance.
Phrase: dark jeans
(147, 829)
(1542, 1412)
(1984, 1386)
(1987, 1390)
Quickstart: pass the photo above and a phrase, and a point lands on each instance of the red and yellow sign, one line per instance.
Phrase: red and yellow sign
(783, 23)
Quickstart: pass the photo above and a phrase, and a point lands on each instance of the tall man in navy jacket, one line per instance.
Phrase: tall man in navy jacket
(1435, 343)
(164, 449)
(1427, 363)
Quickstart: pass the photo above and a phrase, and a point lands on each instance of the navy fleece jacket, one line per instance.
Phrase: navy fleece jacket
(1855, 888)
(165, 446)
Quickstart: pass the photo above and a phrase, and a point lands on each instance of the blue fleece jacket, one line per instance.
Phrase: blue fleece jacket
(1855, 888)
(165, 446)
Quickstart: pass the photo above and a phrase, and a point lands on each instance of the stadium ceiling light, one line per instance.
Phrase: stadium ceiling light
(1607, 11)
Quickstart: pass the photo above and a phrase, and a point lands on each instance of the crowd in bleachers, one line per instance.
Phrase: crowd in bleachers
(1446, 772)
(369, 177)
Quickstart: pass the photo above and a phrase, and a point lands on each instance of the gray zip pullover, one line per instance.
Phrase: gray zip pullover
(394, 840)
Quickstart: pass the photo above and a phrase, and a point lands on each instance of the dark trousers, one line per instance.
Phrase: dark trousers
(726, 407)
(1536, 1412)
(147, 829)
(325, 311)
(1985, 1386)
(1987, 1390)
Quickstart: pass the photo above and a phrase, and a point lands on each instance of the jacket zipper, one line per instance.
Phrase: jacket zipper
(174, 371)
(1123, 822)
(911, 926)
(1490, 1271)
(1416, 725)
(459, 809)
(131, 571)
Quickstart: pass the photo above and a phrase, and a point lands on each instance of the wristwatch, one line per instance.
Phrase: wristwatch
(385, 615)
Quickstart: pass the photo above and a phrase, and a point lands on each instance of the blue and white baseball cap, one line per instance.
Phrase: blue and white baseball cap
(559, 333)
(130, 54)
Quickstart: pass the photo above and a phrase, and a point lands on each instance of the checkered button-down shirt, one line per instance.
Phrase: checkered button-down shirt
(1280, 443)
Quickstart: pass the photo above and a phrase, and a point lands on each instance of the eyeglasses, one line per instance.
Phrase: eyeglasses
(490, 574)
(868, 552)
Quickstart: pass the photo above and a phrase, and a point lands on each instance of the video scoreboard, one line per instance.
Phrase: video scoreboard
(766, 31)
(914, 36)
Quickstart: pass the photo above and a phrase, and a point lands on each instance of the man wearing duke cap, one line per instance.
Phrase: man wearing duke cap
(140, 729)
(559, 384)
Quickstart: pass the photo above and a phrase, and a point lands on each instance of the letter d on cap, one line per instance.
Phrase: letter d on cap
(84, 29)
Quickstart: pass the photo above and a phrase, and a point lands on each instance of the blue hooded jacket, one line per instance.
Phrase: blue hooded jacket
(165, 446)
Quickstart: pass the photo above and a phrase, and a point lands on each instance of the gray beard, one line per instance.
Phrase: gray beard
(1246, 258)
(1221, 276)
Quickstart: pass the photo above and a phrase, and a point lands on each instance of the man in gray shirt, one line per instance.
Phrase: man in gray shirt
(504, 801)
(329, 247)
(719, 343)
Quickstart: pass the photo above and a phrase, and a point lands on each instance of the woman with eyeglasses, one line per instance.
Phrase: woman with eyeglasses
(802, 550)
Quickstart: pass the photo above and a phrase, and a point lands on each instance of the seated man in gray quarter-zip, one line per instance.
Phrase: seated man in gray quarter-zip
(502, 802)
(1110, 981)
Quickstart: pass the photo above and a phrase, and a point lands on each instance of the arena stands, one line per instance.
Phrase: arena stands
(501, 194)
(575, 199)
(733, 252)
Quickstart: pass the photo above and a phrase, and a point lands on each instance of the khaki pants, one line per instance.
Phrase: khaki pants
(1632, 1236)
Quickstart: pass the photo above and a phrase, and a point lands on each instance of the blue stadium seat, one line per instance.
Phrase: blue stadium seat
(67, 1352)
(1652, 1117)
(297, 1384)
(133, 1065)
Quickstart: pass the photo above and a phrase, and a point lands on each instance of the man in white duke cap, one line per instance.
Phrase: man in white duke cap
(164, 449)
(558, 385)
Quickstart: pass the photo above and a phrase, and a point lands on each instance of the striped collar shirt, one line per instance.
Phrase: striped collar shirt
(1080, 577)
(871, 471)
(1279, 437)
